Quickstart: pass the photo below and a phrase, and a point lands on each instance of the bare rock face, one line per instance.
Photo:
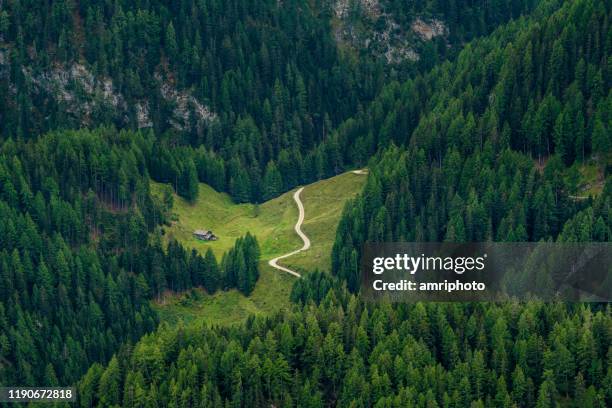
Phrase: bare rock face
(185, 105)
(80, 93)
(74, 88)
(429, 30)
(342, 8)
(143, 118)
(364, 24)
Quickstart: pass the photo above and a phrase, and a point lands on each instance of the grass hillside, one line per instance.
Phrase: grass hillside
(272, 222)
(323, 204)
(271, 293)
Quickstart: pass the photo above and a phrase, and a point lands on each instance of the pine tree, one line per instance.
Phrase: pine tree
(188, 185)
(171, 44)
(548, 392)
(211, 278)
(602, 140)
(109, 388)
(272, 182)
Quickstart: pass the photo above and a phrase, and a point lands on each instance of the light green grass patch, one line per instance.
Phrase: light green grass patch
(225, 308)
(323, 204)
(592, 180)
(272, 222)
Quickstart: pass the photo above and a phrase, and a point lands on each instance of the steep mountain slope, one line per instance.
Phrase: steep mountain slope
(260, 84)
(345, 352)
(510, 89)
(404, 32)
(493, 142)
(191, 70)
(489, 145)
(241, 94)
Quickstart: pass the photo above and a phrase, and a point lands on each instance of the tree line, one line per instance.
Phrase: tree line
(272, 75)
(481, 197)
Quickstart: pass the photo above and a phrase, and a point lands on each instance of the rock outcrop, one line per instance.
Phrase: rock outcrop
(364, 24)
(80, 93)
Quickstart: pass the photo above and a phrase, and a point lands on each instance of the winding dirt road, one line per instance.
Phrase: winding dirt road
(298, 229)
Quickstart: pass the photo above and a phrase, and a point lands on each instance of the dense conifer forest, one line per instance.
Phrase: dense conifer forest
(486, 147)
(491, 144)
(77, 264)
(484, 136)
(269, 83)
(335, 350)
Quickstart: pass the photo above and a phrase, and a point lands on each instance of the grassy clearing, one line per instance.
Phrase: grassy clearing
(272, 222)
(225, 308)
(592, 180)
(588, 178)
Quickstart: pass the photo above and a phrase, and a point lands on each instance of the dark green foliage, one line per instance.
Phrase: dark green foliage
(476, 198)
(210, 275)
(466, 18)
(488, 149)
(489, 146)
(241, 264)
(272, 183)
(272, 74)
(345, 352)
(77, 268)
(75, 212)
(188, 185)
(539, 85)
(184, 270)
(314, 287)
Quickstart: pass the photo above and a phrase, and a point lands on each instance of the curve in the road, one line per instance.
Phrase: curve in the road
(298, 229)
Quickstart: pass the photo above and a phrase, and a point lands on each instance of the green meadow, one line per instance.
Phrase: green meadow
(273, 224)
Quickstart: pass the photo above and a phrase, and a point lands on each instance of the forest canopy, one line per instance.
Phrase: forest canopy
(495, 127)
